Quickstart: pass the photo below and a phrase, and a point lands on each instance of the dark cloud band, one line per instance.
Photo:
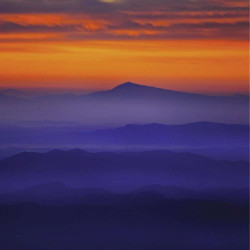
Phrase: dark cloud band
(126, 19)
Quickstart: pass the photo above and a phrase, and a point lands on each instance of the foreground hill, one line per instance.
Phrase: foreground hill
(156, 225)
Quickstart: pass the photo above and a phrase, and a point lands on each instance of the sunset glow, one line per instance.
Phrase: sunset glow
(202, 47)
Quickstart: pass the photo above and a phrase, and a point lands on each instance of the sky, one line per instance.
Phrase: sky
(188, 45)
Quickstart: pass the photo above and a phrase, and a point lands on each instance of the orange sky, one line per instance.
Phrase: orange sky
(197, 51)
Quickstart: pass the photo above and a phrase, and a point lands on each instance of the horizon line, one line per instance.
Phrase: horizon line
(93, 90)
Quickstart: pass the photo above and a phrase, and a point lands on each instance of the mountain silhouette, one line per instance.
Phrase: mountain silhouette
(140, 92)
(175, 192)
(200, 134)
(59, 194)
(120, 171)
(56, 193)
(128, 103)
(14, 92)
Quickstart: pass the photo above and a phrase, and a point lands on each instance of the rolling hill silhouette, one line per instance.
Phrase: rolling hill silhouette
(184, 135)
(154, 199)
(59, 194)
(193, 134)
(120, 171)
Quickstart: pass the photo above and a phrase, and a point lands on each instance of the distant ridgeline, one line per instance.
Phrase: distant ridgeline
(125, 104)
(120, 171)
(204, 134)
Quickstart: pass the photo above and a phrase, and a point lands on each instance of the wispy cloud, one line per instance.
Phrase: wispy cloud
(127, 19)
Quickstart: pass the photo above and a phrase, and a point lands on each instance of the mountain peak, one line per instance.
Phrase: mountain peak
(128, 85)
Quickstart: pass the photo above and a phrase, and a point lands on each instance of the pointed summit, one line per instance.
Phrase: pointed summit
(128, 85)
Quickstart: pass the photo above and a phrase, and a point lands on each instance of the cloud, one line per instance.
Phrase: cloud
(127, 19)
(107, 6)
